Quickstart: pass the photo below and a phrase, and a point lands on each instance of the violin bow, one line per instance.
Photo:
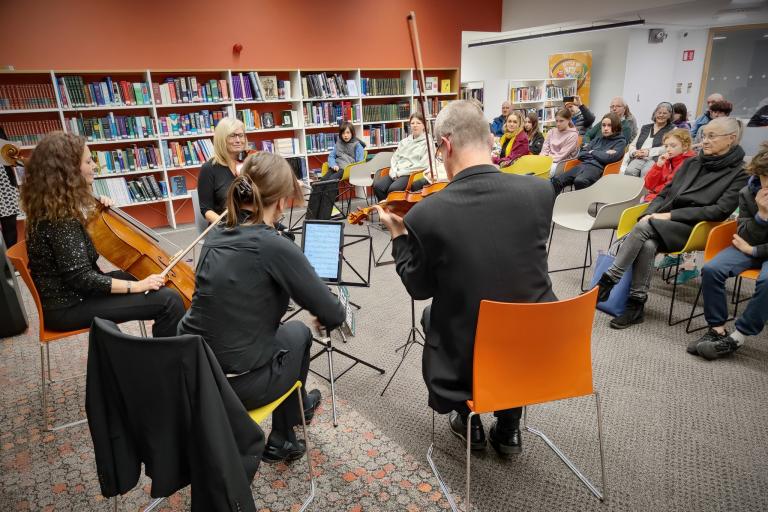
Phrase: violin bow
(416, 49)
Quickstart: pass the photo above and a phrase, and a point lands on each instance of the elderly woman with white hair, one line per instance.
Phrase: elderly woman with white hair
(649, 142)
(220, 171)
(705, 188)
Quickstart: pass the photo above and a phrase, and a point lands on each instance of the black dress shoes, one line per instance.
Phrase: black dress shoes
(459, 429)
(506, 442)
(313, 399)
(287, 452)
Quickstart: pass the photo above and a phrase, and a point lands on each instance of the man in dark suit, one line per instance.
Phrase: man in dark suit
(482, 237)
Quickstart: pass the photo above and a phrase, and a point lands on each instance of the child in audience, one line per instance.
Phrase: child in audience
(649, 142)
(680, 116)
(677, 145)
(749, 250)
(606, 149)
(535, 137)
(514, 142)
(562, 143)
(348, 150)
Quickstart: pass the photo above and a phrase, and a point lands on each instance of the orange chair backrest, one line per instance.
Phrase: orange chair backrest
(719, 238)
(20, 259)
(570, 164)
(532, 353)
(613, 168)
(413, 177)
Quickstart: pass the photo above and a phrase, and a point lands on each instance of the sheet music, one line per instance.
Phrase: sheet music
(321, 247)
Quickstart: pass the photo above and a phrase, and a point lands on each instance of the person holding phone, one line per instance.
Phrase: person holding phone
(582, 118)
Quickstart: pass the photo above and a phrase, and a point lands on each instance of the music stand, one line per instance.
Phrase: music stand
(322, 242)
(412, 340)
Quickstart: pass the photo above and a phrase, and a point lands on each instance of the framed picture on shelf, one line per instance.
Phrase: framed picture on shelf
(267, 120)
(287, 118)
(267, 146)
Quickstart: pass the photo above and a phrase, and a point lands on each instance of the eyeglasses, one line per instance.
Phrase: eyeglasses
(233, 136)
(438, 156)
(713, 136)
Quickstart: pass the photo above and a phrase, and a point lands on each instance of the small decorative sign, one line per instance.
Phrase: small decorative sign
(687, 55)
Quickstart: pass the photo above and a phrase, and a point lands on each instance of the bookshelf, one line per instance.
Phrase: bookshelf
(473, 90)
(178, 129)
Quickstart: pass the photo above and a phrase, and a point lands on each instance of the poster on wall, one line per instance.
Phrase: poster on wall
(576, 65)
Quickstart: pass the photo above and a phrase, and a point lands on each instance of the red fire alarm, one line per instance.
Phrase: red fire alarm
(237, 48)
(687, 55)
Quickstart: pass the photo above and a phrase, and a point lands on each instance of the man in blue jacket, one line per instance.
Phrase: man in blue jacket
(497, 126)
(706, 117)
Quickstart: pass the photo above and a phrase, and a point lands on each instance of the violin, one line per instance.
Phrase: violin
(399, 202)
(133, 248)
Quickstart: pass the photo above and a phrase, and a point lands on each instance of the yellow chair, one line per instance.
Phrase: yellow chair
(345, 176)
(538, 165)
(413, 177)
(697, 241)
(345, 188)
(260, 414)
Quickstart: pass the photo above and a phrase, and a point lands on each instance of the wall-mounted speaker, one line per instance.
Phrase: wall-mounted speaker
(657, 35)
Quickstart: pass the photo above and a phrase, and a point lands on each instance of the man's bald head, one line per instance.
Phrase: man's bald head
(715, 96)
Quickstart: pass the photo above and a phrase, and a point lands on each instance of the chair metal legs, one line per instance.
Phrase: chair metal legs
(309, 499)
(587, 258)
(149, 508)
(441, 483)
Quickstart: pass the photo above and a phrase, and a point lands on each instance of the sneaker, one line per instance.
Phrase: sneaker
(686, 275)
(459, 429)
(667, 261)
(313, 400)
(506, 442)
(633, 314)
(710, 336)
(711, 350)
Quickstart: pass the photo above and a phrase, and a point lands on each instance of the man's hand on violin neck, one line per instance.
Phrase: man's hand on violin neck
(394, 223)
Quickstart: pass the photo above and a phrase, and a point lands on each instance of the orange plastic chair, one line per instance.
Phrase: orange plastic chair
(509, 371)
(413, 177)
(613, 168)
(20, 260)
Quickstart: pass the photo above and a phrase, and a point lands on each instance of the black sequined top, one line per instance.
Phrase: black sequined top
(62, 261)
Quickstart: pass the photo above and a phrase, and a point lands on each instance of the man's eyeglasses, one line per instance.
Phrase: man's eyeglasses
(438, 145)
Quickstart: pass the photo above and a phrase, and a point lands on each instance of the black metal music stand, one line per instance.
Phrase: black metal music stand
(412, 340)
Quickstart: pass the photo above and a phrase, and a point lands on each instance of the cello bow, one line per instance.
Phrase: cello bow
(418, 64)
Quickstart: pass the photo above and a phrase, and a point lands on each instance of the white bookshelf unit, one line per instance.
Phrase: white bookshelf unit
(542, 95)
(58, 113)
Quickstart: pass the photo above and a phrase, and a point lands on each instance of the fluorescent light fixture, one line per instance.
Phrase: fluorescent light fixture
(718, 38)
(558, 33)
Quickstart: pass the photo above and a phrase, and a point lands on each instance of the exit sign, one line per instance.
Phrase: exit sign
(687, 55)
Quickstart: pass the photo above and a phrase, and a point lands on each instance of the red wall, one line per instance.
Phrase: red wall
(198, 34)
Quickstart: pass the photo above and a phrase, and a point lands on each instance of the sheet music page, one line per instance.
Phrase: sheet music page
(321, 247)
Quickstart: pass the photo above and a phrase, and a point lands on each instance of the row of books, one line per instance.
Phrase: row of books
(431, 85)
(127, 160)
(187, 89)
(28, 133)
(74, 92)
(253, 120)
(327, 112)
(190, 152)
(250, 86)
(143, 189)
(547, 113)
(383, 136)
(112, 127)
(24, 96)
(324, 85)
(391, 112)
(556, 93)
(194, 123)
(382, 86)
(433, 105)
(525, 94)
(319, 142)
(472, 94)
(286, 146)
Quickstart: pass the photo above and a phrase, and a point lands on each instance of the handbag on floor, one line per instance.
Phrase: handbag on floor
(617, 301)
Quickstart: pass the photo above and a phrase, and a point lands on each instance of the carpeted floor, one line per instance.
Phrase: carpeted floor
(681, 433)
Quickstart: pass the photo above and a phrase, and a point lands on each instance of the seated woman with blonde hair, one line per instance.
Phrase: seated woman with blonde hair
(514, 142)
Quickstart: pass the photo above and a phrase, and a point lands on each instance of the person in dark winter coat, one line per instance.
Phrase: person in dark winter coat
(531, 129)
(749, 250)
(603, 150)
(582, 117)
(705, 188)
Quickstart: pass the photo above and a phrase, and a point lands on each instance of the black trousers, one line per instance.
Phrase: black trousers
(264, 385)
(8, 227)
(332, 175)
(383, 185)
(164, 306)
(581, 176)
(508, 418)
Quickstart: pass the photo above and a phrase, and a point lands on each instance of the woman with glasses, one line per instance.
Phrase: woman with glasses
(649, 142)
(704, 188)
(218, 173)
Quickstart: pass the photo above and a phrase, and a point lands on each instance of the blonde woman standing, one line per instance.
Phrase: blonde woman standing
(218, 173)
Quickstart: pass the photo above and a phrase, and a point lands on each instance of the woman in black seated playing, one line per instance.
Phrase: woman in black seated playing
(57, 199)
(246, 274)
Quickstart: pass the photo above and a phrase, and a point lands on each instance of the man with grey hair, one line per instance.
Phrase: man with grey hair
(707, 116)
(465, 244)
(497, 126)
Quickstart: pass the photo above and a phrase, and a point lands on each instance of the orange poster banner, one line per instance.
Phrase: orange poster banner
(576, 65)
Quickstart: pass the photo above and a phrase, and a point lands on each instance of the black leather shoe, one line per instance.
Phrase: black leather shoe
(604, 287)
(506, 442)
(459, 429)
(633, 314)
(313, 399)
(287, 452)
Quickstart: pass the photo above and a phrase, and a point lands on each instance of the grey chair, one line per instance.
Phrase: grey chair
(362, 175)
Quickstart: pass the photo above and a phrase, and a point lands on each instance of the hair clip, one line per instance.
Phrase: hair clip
(244, 188)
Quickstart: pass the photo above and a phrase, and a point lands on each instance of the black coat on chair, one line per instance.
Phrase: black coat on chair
(482, 237)
(705, 188)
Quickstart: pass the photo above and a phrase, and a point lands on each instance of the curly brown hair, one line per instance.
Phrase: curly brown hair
(758, 166)
(54, 188)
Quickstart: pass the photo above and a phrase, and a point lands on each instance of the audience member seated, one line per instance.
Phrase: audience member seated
(628, 122)
(649, 142)
(717, 109)
(535, 137)
(582, 117)
(514, 142)
(409, 157)
(348, 150)
(749, 250)
(705, 188)
(604, 150)
(677, 145)
(760, 118)
(680, 116)
(497, 126)
(706, 116)
(562, 143)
